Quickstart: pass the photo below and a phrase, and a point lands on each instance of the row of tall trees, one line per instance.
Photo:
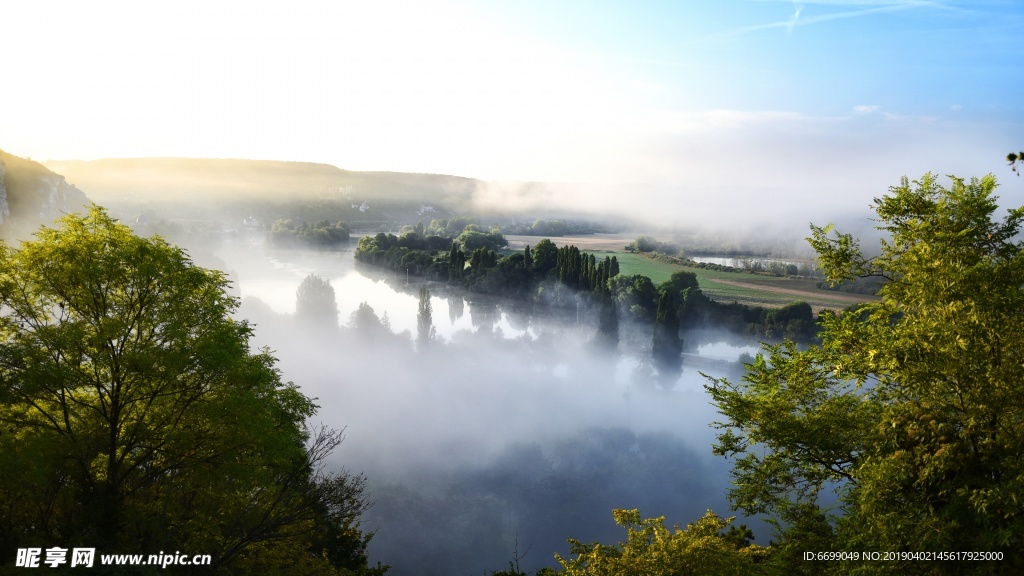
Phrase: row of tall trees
(582, 271)
(677, 304)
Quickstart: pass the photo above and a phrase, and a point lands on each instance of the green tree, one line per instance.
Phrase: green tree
(678, 282)
(315, 303)
(911, 409)
(651, 549)
(456, 262)
(636, 294)
(676, 287)
(134, 415)
(473, 240)
(545, 257)
(284, 233)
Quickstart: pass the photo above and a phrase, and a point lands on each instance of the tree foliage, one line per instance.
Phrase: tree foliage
(315, 302)
(651, 549)
(322, 234)
(475, 239)
(649, 244)
(581, 271)
(912, 407)
(135, 417)
(545, 257)
(636, 294)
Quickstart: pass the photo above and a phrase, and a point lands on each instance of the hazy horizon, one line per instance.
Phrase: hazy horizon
(714, 108)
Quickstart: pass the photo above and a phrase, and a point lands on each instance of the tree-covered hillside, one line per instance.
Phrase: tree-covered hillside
(31, 195)
(229, 189)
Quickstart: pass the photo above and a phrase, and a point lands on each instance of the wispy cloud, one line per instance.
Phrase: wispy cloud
(878, 3)
(869, 7)
(871, 109)
(797, 8)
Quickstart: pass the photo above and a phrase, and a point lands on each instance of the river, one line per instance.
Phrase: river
(512, 428)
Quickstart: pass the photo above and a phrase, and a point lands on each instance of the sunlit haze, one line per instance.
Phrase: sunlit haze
(827, 102)
(534, 261)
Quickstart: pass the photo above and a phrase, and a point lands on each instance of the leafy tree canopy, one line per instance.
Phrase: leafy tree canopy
(652, 549)
(285, 233)
(135, 417)
(911, 409)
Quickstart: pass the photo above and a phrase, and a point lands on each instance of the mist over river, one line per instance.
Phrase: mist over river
(510, 432)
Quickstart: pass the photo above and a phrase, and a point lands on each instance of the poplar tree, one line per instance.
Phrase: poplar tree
(456, 262)
(424, 320)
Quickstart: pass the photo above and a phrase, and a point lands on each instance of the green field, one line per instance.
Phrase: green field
(630, 264)
(757, 290)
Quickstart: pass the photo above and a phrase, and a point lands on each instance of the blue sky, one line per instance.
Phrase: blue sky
(731, 99)
(825, 57)
(816, 57)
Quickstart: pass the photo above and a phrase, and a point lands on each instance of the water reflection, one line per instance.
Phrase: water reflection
(745, 262)
(441, 431)
(456, 308)
(273, 276)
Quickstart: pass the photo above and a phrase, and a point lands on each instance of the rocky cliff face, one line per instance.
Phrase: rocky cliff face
(31, 195)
